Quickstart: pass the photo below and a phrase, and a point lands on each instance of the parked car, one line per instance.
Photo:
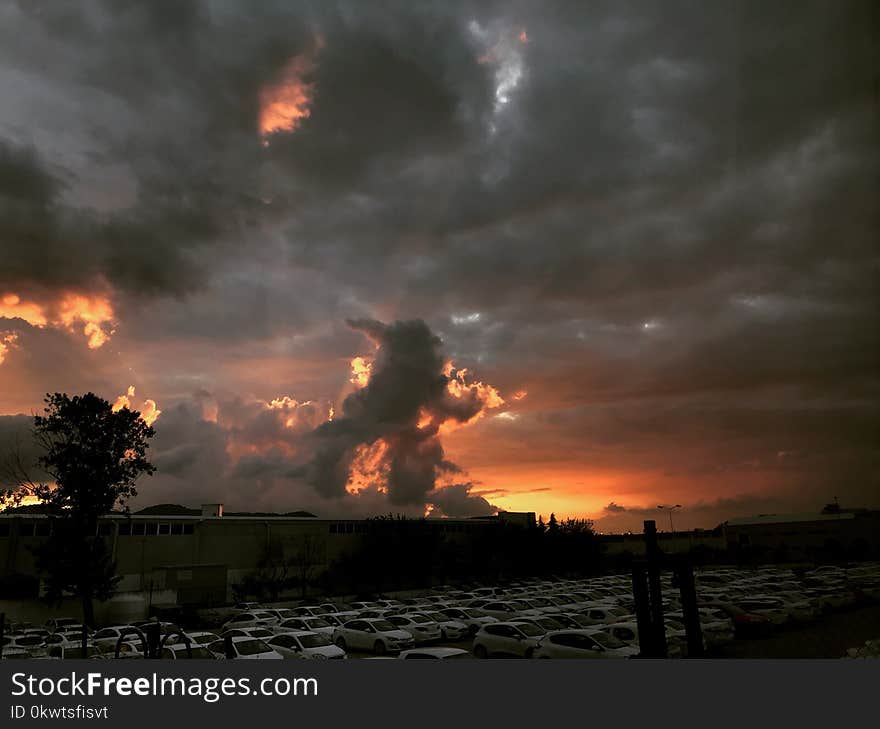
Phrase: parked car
(423, 629)
(178, 651)
(252, 619)
(450, 629)
(305, 644)
(261, 633)
(307, 623)
(243, 648)
(514, 639)
(74, 652)
(474, 618)
(309, 611)
(199, 637)
(379, 636)
(108, 637)
(55, 625)
(586, 644)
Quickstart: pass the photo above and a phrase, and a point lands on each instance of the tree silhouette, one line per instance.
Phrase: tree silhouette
(93, 456)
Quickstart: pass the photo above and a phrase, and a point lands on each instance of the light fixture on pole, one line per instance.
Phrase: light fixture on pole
(670, 509)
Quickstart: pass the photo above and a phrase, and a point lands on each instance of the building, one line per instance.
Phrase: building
(174, 555)
(834, 533)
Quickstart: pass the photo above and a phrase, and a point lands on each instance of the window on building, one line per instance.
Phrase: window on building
(4, 530)
(164, 529)
(105, 529)
(138, 529)
(42, 529)
(176, 529)
(125, 529)
(188, 529)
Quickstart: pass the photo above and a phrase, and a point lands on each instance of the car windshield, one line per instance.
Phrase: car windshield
(549, 623)
(318, 623)
(383, 625)
(475, 613)
(314, 641)
(439, 617)
(251, 647)
(421, 619)
(607, 641)
(530, 630)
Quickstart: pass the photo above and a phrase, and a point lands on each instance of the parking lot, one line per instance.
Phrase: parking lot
(768, 612)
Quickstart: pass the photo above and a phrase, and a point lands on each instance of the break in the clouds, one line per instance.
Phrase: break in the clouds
(658, 220)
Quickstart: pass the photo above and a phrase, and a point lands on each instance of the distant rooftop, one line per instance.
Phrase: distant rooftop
(788, 518)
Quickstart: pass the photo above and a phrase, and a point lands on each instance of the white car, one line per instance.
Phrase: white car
(309, 611)
(199, 637)
(252, 649)
(450, 629)
(280, 613)
(178, 651)
(601, 614)
(74, 652)
(513, 639)
(627, 631)
(307, 623)
(473, 618)
(253, 619)
(305, 644)
(56, 625)
(107, 637)
(586, 643)
(423, 629)
(261, 633)
(33, 643)
(377, 635)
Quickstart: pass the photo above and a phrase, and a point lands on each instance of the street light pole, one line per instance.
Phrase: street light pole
(670, 509)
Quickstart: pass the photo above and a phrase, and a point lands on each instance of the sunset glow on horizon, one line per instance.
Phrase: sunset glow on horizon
(453, 260)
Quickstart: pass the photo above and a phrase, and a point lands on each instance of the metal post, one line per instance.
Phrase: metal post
(655, 591)
(2, 630)
(643, 608)
(690, 612)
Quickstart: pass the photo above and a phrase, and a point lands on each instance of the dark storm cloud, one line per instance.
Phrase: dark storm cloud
(672, 213)
(406, 382)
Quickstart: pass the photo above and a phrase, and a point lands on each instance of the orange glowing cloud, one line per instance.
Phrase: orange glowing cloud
(287, 102)
(149, 410)
(7, 342)
(369, 467)
(95, 313)
(71, 311)
(12, 307)
(361, 368)
(289, 406)
(520, 394)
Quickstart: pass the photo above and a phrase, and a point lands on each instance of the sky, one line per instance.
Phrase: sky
(449, 258)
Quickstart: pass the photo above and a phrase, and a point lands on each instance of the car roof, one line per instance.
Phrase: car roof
(296, 633)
